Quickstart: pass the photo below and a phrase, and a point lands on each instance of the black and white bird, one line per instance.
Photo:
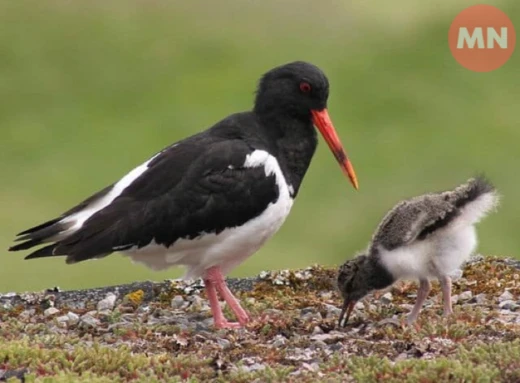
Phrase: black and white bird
(210, 201)
(425, 237)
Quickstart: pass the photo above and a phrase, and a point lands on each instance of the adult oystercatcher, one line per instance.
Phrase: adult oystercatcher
(425, 237)
(211, 200)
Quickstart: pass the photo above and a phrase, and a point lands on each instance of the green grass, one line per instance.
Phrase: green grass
(90, 91)
(484, 363)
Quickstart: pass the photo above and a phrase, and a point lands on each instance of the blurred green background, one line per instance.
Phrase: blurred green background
(88, 90)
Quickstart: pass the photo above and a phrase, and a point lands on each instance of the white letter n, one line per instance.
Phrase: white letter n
(493, 36)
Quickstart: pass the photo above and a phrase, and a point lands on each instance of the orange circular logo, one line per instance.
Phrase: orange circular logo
(482, 38)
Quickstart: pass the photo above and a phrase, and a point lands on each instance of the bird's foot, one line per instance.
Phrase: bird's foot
(241, 315)
(224, 324)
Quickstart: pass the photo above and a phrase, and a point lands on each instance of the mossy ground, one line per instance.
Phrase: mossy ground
(476, 344)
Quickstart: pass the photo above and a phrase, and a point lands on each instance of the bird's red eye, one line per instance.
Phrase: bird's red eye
(305, 87)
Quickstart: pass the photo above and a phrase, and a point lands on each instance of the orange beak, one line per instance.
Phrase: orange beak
(321, 119)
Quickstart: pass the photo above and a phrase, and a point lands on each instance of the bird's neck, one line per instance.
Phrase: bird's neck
(379, 277)
(295, 141)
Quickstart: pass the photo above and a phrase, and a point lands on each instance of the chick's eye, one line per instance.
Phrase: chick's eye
(305, 87)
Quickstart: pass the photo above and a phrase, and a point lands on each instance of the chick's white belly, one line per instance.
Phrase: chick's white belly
(439, 254)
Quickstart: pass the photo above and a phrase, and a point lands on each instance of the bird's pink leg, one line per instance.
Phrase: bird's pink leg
(446, 294)
(422, 294)
(218, 316)
(214, 275)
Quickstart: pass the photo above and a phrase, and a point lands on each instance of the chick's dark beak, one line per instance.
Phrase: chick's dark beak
(348, 306)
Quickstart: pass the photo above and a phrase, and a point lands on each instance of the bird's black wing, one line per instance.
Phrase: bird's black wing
(190, 188)
(413, 219)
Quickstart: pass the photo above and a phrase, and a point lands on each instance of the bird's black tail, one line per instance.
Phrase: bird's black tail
(474, 199)
(46, 232)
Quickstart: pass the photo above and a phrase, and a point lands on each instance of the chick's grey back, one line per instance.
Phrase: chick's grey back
(419, 217)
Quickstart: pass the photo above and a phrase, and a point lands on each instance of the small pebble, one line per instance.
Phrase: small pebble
(273, 312)
(387, 298)
(26, 314)
(313, 367)
(223, 343)
(332, 311)
(312, 316)
(73, 318)
(279, 341)
(508, 305)
(481, 299)
(62, 320)
(256, 367)
(88, 320)
(506, 296)
(51, 311)
(307, 310)
(466, 295)
(107, 303)
(177, 302)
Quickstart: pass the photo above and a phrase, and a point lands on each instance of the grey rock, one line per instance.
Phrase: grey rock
(177, 302)
(107, 303)
(318, 344)
(465, 295)
(387, 321)
(51, 311)
(506, 296)
(256, 367)
(387, 298)
(26, 314)
(273, 312)
(332, 311)
(317, 330)
(330, 337)
(508, 305)
(336, 347)
(313, 367)
(88, 320)
(481, 299)
(279, 341)
(307, 310)
(73, 317)
(223, 343)
(62, 320)
(312, 316)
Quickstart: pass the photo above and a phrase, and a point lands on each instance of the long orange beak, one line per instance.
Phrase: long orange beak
(321, 119)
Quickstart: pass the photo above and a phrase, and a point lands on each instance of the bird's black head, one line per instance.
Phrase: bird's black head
(300, 91)
(353, 283)
(295, 88)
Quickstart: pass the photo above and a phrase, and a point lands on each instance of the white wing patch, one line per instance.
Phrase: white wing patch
(80, 217)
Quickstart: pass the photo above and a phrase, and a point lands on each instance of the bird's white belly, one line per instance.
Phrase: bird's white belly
(230, 247)
(440, 254)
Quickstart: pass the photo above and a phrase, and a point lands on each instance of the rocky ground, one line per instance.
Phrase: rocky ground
(151, 332)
